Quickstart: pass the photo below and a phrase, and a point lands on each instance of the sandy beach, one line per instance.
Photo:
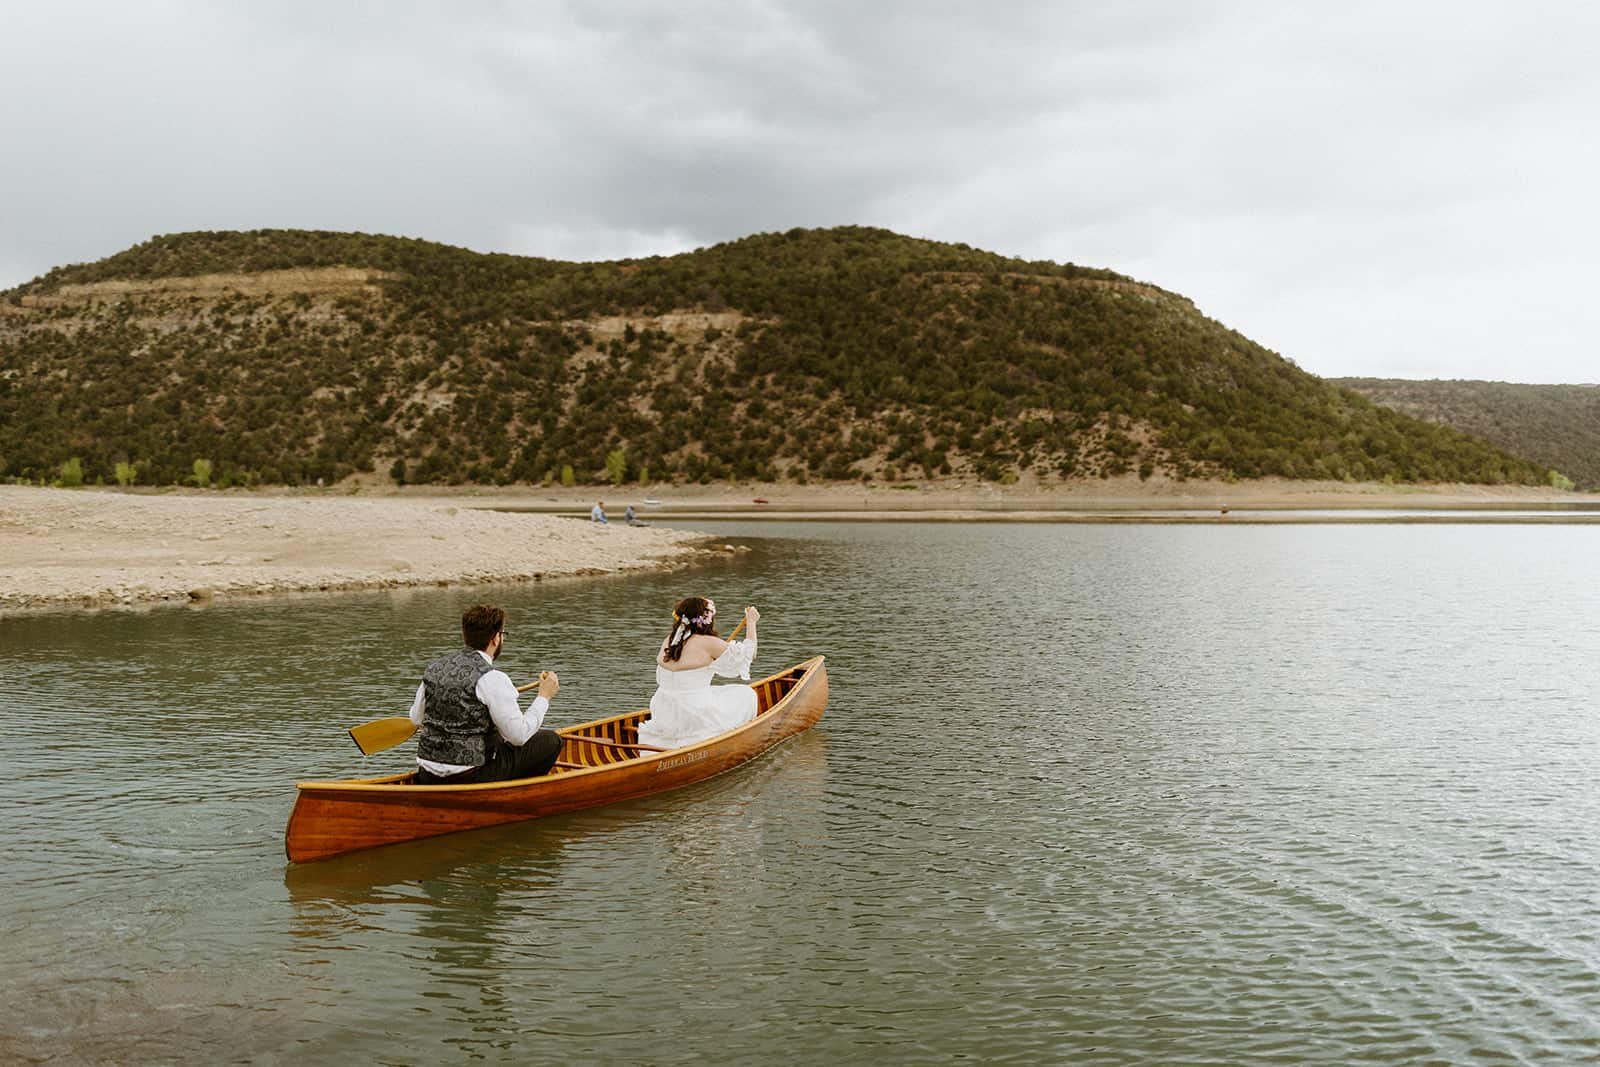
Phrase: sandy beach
(90, 548)
(93, 547)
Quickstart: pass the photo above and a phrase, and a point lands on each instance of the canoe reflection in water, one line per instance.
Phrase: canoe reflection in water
(601, 762)
(499, 935)
(731, 813)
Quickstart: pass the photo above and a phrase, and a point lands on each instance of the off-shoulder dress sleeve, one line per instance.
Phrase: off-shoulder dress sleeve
(735, 660)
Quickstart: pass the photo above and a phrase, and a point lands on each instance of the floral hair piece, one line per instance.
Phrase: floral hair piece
(685, 626)
(697, 620)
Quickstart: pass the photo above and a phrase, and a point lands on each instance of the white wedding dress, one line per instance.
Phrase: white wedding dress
(687, 708)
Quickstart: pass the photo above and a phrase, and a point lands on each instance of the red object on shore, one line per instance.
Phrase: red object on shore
(759, 500)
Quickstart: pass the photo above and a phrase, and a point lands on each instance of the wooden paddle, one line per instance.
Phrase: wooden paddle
(381, 734)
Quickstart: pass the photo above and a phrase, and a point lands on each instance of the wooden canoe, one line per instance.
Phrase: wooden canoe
(332, 818)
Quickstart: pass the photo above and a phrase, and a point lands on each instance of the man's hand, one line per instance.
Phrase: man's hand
(549, 684)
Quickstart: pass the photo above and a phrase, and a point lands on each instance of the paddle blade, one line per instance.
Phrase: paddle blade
(380, 734)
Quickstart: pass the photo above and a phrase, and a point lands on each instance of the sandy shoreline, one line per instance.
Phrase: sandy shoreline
(94, 548)
(89, 548)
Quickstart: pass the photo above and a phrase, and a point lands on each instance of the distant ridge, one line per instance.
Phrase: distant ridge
(288, 356)
(1556, 426)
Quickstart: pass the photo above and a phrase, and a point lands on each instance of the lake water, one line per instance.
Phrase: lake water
(1115, 794)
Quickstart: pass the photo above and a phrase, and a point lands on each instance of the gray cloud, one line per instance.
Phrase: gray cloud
(1372, 188)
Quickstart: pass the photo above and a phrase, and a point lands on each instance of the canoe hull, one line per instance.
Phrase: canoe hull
(332, 818)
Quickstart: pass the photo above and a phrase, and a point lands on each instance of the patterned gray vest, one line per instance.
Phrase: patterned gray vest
(456, 727)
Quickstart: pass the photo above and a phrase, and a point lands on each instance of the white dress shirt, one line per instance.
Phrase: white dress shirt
(495, 690)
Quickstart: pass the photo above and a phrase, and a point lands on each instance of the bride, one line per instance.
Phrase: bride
(686, 707)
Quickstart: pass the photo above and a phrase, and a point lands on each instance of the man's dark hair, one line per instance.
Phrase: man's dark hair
(480, 623)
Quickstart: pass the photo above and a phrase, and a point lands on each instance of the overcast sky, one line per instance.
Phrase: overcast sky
(1393, 189)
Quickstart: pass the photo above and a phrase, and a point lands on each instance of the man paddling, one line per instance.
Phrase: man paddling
(471, 726)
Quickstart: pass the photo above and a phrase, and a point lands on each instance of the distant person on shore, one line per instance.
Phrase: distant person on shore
(471, 727)
(598, 512)
(631, 516)
(686, 707)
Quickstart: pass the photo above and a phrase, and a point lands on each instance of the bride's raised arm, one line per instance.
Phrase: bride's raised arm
(736, 657)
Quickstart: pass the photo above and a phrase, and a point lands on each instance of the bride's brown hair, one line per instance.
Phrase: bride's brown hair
(692, 615)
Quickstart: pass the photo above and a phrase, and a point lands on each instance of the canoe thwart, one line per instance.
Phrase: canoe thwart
(613, 744)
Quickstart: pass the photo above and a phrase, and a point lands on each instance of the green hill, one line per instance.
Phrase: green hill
(292, 356)
(1556, 426)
